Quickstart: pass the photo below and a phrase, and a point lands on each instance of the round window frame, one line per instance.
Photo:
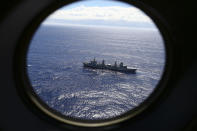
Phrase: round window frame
(35, 104)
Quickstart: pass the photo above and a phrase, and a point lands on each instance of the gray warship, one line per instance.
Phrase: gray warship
(120, 68)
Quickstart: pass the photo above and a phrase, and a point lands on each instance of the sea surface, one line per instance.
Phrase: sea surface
(55, 69)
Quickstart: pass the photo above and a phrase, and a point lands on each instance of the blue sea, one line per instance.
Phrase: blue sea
(55, 69)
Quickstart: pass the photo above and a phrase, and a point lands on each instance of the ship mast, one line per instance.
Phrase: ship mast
(115, 64)
(103, 62)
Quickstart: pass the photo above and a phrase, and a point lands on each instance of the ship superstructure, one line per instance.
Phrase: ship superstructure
(120, 68)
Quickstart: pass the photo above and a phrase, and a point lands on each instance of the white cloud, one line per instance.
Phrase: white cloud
(113, 13)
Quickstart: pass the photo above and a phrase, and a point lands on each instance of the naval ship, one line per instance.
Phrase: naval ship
(120, 68)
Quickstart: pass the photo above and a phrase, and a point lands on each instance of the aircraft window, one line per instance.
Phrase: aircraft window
(95, 61)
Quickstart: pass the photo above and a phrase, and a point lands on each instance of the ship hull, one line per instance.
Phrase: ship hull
(129, 71)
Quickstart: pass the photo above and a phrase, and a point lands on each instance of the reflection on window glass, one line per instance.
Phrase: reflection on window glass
(95, 59)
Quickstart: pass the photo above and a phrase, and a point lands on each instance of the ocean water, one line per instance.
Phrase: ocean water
(55, 69)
